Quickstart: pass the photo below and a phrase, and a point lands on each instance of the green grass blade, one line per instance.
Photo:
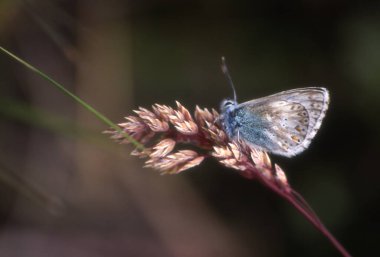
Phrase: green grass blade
(100, 116)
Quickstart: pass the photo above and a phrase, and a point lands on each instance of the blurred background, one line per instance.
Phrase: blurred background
(67, 190)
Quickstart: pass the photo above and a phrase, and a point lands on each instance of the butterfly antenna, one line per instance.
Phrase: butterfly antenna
(228, 76)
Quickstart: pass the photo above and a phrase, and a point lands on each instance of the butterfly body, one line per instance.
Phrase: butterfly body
(283, 123)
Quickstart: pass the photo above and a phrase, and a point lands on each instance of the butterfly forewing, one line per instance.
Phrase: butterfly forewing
(286, 121)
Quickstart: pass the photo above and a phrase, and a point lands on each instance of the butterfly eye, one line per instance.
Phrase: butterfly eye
(227, 104)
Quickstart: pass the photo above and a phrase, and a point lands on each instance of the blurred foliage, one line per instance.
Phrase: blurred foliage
(118, 55)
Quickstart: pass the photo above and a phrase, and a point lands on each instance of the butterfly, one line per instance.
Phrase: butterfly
(284, 123)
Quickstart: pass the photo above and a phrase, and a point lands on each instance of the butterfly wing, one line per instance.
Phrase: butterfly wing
(283, 123)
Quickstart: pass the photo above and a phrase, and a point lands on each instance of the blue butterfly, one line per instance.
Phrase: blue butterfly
(284, 123)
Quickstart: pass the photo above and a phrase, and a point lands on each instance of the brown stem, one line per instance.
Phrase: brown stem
(310, 216)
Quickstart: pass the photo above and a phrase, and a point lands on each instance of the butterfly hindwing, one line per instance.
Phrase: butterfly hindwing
(283, 123)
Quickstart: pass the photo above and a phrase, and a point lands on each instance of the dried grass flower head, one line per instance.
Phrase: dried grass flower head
(173, 141)
(170, 136)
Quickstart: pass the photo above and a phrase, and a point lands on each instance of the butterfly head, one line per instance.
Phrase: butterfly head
(227, 105)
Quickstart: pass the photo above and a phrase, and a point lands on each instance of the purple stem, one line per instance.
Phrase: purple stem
(305, 211)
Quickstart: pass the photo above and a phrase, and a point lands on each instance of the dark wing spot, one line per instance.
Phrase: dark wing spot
(295, 139)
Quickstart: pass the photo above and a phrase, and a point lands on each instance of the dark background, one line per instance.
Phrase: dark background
(66, 190)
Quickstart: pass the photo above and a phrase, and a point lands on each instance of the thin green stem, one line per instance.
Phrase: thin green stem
(100, 116)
